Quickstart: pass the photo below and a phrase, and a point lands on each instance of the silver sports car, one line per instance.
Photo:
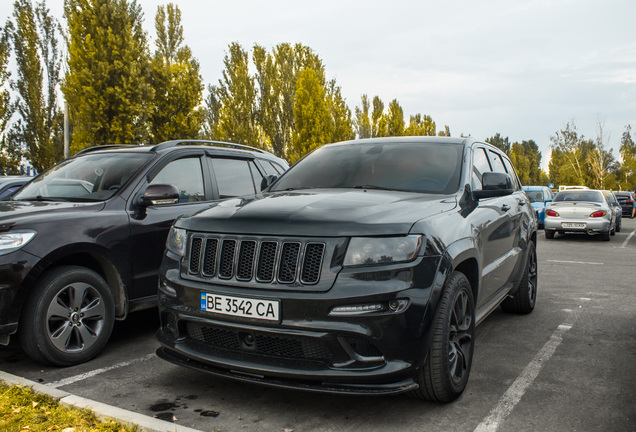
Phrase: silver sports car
(583, 211)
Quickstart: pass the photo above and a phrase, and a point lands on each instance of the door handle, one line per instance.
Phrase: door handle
(505, 207)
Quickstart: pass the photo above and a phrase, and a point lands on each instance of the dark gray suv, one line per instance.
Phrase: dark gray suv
(362, 269)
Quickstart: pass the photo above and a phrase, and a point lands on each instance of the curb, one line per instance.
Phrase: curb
(101, 410)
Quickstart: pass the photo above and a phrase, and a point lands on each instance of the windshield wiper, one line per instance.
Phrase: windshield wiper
(43, 198)
(375, 187)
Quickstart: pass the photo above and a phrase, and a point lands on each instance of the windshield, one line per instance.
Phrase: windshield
(535, 196)
(411, 167)
(94, 177)
(588, 196)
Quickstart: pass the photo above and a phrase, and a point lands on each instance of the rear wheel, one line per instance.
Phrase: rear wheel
(68, 317)
(549, 234)
(525, 298)
(606, 235)
(444, 375)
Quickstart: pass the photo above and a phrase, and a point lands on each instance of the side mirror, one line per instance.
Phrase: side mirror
(267, 181)
(159, 194)
(494, 184)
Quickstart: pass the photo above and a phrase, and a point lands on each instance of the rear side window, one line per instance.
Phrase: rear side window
(513, 174)
(234, 177)
(480, 166)
(495, 160)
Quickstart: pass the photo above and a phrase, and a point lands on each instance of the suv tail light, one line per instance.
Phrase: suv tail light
(552, 213)
(598, 213)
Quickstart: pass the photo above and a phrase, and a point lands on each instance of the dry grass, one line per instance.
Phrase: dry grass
(22, 410)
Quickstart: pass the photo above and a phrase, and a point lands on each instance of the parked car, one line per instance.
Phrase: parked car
(616, 208)
(626, 199)
(80, 246)
(11, 184)
(539, 197)
(580, 211)
(363, 269)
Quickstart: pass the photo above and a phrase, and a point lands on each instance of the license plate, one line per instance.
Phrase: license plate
(573, 225)
(241, 307)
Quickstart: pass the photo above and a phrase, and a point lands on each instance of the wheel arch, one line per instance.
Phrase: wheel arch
(93, 259)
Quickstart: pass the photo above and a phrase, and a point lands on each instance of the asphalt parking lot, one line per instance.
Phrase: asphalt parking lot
(568, 366)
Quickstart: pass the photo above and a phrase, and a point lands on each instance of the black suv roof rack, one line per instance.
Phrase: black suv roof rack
(175, 143)
(105, 147)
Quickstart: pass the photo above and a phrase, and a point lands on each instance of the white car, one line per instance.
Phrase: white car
(583, 211)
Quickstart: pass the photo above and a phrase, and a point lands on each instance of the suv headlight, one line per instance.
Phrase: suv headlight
(382, 250)
(11, 241)
(176, 242)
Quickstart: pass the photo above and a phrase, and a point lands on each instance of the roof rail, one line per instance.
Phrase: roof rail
(175, 143)
(104, 147)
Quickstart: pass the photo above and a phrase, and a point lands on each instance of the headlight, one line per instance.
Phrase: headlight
(11, 241)
(382, 250)
(176, 242)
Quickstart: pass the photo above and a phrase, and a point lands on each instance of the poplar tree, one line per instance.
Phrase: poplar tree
(362, 120)
(107, 85)
(420, 125)
(340, 114)
(38, 130)
(395, 119)
(314, 126)
(236, 95)
(176, 81)
(628, 154)
(9, 159)
(378, 126)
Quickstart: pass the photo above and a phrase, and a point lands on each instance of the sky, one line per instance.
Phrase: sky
(523, 69)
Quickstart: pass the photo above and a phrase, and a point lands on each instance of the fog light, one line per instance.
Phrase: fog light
(398, 305)
(167, 289)
(355, 310)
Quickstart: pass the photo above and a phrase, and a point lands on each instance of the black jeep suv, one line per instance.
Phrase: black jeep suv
(80, 246)
(362, 269)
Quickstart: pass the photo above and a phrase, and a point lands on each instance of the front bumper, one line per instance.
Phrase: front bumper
(14, 270)
(310, 348)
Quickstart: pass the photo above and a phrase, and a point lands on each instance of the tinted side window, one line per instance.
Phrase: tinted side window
(187, 175)
(513, 174)
(233, 177)
(495, 160)
(480, 165)
(268, 168)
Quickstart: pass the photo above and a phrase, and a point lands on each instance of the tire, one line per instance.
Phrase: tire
(613, 230)
(525, 298)
(619, 226)
(444, 375)
(606, 236)
(61, 328)
(549, 234)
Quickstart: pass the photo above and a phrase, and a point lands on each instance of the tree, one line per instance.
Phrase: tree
(500, 142)
(314, 126)
(236, 95)
(378, 125)
(571, 152)
(445, 132)
(362, 120)
(600, 160)
(9, 158)
(176, 81)
(526, 158)
(420, 125)
(37, 134)
(340, 114)
(627, 150)
(107, 85)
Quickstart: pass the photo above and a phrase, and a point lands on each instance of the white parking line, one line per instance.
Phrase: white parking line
(518, 388)
(627, 239)
(574, 262)
(80, 377)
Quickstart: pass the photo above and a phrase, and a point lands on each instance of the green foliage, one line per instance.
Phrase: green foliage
(9, 157)
(378, 122)
(340, 114)
(36, 134)
(362, 120)
(500, 142)
(445, 132)
(626, 178)
(176, 81)
(236, 95)
(314, 126)
(421, 125)
(107, 85)
(395, 119)
(526, 158)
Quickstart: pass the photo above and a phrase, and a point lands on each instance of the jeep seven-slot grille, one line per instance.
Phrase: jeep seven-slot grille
(259, 260)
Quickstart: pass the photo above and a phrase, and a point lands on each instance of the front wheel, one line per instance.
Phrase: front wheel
(68, 317)
(444, 375)
(525, 298)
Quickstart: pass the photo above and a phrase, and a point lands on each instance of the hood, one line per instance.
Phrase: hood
(321, 213)
(22, 214)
